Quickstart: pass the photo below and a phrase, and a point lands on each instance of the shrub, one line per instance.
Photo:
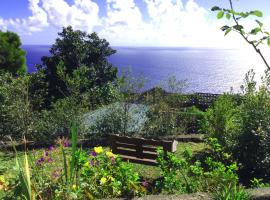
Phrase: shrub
(184, 175)
(16, 112)
(231, 192)
(223, 121)
(243, 130)
(104, 175)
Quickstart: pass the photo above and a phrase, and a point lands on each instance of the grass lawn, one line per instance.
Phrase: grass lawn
(7, 160)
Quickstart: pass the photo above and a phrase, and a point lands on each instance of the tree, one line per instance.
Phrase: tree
(255, 37)
(12, 57)
(74, 49)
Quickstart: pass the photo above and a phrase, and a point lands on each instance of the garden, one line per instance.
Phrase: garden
(55, 126)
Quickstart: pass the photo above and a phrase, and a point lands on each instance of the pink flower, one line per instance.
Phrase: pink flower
(145, 183)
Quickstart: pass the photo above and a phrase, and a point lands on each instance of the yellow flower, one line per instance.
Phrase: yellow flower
(87, 164)
(111, 178)
(103, 180)
(74, 187)
(110, 154)
(98, 149)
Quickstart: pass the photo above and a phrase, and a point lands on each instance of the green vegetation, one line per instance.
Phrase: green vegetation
(12, 57)
(244, 125)
(82, 57)
(77, 91)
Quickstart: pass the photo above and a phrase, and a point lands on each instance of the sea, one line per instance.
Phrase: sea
(208, 70)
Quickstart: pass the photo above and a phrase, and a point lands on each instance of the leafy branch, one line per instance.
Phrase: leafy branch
(258, 31)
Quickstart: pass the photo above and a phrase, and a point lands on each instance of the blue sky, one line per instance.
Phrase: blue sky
(125, 22)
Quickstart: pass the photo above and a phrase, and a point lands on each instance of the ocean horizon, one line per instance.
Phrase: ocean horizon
(210, 70)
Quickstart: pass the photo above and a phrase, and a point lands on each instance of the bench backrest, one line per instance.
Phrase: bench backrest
(140, 150)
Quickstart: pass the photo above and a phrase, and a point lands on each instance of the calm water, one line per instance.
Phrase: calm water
(206, 70)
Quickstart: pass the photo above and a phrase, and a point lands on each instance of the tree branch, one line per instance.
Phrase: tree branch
(248, 41)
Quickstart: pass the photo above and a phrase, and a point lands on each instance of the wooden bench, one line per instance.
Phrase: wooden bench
(140, 150)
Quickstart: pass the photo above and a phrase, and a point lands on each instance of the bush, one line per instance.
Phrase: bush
(184, 175)
(223, 121)
(104, 175)
(117, 118)
(243, 130)
(16, 112)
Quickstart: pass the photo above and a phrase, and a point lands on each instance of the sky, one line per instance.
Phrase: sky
(163, 23)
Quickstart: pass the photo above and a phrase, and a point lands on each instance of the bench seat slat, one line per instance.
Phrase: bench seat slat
(139, 161)
(142, 141)
(134, 154)
(147, 148)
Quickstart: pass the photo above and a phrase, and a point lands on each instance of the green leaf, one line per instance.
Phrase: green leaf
(255, 31)
(227, 31)
(256, 13)
(238, 27)
(215, 8)
(268, 41)
(228, 16)
(244, 15)
(224, 28)
(220, 14)
(260, 23)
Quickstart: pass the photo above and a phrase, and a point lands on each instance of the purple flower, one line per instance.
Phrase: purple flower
(92, 163)
(50, 160)
(145, 183)
(94, 154)
(51, 148)
(40, 161)
(46, 153)
(66, 144)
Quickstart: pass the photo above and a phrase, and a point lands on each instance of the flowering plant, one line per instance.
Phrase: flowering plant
(105, 175)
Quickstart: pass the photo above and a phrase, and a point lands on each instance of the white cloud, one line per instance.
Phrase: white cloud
(2, 25)
(83, 14)
(36, 22)
(170, 22)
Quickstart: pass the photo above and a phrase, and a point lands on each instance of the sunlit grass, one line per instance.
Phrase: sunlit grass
(7, 160)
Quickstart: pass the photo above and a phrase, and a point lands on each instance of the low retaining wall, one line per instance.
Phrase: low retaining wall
(256, 194)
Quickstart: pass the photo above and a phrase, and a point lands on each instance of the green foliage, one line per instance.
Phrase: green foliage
(178, 175)
(222, 121)
(12, 57)
(161, 121)
(255, 37)
(231, 192)
(184, 175)
(16, 113)
(24, 187)
(104, 175)
(22, 109)
(243, 129)
(258, 183)
(72, 51)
